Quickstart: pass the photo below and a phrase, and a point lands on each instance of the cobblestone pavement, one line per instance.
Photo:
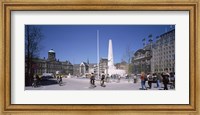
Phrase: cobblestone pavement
(84, 84)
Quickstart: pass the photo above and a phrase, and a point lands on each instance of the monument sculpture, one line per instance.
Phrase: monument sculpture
(111, 67)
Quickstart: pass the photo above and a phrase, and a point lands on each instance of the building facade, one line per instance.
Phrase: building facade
(142, 61)
(156, 57)
(51, 65)
(123, 66)
(103, 65)
(164, 53)
(84, 69)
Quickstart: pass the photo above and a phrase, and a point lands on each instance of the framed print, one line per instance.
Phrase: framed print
(103, 56)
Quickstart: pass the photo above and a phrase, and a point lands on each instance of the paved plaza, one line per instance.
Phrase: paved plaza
(84, 84)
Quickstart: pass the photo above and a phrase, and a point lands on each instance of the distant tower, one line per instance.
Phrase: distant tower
(51, 55)
(110, 55)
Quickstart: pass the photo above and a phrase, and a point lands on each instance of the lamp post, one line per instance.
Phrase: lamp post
(98, 54)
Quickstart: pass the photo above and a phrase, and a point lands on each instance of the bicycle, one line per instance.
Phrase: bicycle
(60, 83)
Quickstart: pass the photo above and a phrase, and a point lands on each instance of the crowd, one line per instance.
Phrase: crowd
(163, 78)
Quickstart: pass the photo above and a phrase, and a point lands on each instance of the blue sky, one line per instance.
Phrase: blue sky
(77, 43)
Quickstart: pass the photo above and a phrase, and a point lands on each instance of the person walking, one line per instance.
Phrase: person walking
(34, 84)
(108, 78)
(38, 80)
(135, 78)
(150, 80)
(60, 80)
(102, 79)
(165, 80)
(157, 79)
(172, 80)
(92, 80)
(142, 77)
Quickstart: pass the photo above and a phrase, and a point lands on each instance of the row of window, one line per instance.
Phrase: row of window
(163, 65)
(164, 51)
(160, 45)
(163, 69)
(171, 46)
(166, 57)
(163, 62)
(54, 66)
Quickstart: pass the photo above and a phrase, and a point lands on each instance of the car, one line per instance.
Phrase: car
(47, 76)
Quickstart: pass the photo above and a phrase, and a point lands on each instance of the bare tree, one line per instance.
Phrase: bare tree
(127, 57)
(33, 37)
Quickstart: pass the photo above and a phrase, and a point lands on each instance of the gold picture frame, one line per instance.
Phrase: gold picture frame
(86, 5)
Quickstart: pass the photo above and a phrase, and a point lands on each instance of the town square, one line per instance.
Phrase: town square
(103, 62)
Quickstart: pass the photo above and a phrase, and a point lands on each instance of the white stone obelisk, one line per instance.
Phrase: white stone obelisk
(111, 67)
(110, 54)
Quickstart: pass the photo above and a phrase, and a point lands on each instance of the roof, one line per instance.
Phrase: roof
(140, 50)
(51, 51)
(167, 32)
(84, 64)
(143, 51)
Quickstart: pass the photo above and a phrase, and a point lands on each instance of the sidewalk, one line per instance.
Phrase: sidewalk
(84, 84)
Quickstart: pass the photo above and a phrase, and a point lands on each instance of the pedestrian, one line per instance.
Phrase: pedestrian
(145, 79)
(165, 80)
(172, 80)
(156, 79)
(60, 80)
(150, 80)
(128, 76)
(34, 84)
(38, 80)
(108, 78)
(92, 80)
(135, 78)
(142, 77)
(102, 79)
(119, 78)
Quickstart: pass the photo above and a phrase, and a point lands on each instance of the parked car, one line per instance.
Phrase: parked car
(47, 76)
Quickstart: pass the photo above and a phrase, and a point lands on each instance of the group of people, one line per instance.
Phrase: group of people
(102, 81)
(164, 78)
